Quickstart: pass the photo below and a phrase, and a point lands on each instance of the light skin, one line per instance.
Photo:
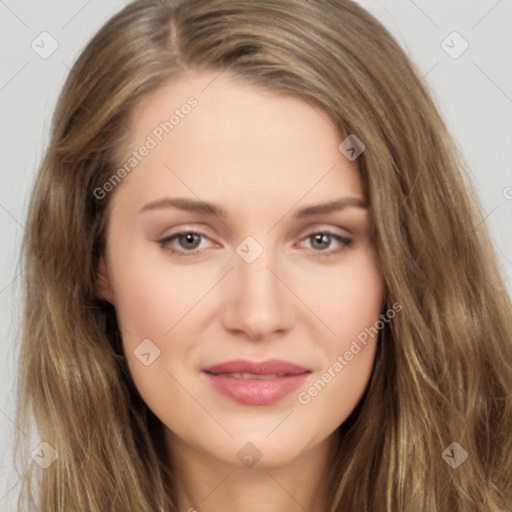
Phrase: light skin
(261, 157)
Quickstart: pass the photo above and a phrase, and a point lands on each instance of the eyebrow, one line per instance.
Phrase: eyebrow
(205, 208)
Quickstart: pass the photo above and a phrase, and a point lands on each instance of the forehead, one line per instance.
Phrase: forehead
(217, 136)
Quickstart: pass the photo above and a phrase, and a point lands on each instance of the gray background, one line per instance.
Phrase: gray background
(473, 93)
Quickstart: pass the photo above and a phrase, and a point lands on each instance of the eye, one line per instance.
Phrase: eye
(189, 241)
(322, 240)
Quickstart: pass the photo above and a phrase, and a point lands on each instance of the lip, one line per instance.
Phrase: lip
(267, 367)
(257, 390)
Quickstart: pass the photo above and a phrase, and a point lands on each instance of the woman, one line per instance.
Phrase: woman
(256, 277)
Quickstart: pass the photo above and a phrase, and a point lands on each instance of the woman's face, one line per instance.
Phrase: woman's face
(277, 279)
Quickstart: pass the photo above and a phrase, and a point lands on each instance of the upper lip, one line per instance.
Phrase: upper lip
(268, 367)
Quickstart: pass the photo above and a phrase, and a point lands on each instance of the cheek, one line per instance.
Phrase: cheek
(353, 308)
(152, 295)
(348, 299)
(151, 300)
(360, 304)
(156, 301)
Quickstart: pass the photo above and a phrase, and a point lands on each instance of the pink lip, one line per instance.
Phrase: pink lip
(260, 368)
(257, 391)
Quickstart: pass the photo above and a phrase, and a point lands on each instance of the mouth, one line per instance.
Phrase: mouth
(256, 383)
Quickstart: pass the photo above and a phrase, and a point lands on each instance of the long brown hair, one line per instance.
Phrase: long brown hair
(443, 371)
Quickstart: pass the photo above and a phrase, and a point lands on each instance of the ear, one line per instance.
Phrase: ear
(103, 282)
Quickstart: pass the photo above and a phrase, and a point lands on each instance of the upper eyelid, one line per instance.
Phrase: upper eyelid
(317, 227)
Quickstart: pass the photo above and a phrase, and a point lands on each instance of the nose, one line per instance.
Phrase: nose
(258, 303)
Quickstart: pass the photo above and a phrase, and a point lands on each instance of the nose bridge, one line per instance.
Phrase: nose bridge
(257, 302)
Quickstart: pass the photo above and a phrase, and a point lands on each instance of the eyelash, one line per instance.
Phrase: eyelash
(164, 243)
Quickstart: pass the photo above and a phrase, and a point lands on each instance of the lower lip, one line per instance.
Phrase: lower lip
(256, 391)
